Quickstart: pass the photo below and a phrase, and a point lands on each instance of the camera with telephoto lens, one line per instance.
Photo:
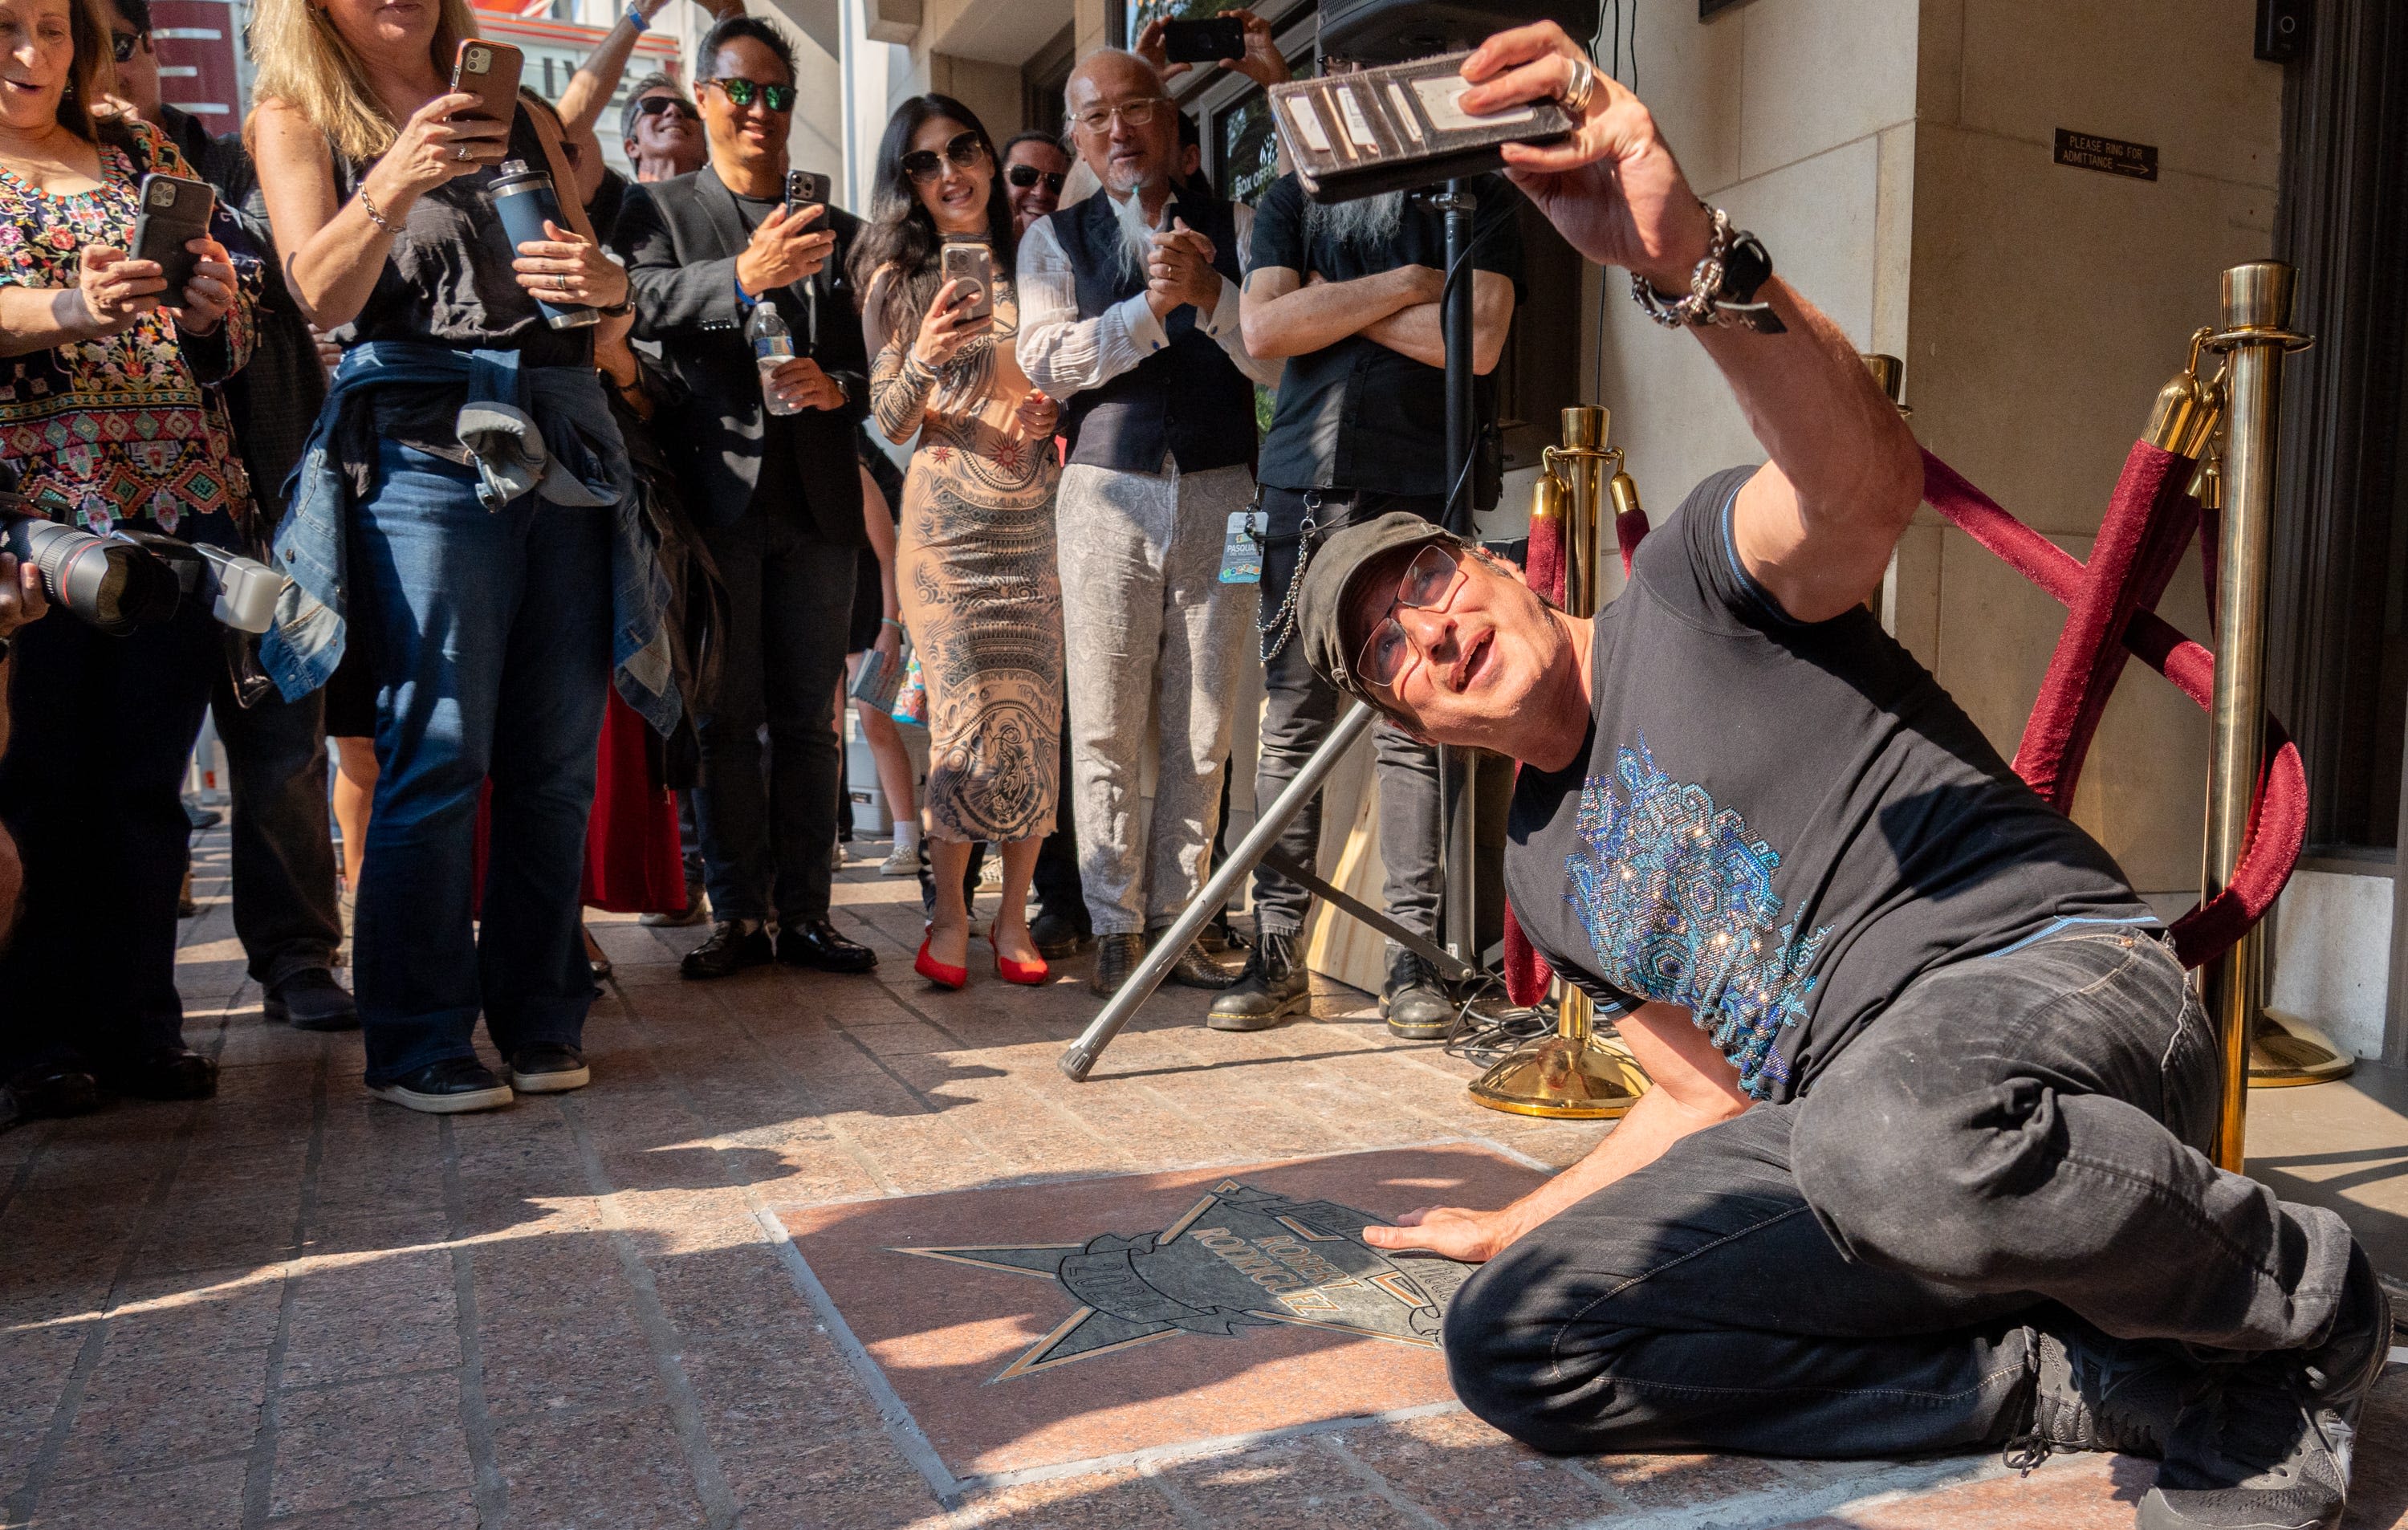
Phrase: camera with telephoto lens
(131, 578)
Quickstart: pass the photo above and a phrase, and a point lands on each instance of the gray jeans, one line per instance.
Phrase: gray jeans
(1152, 637)
(1861, 1272)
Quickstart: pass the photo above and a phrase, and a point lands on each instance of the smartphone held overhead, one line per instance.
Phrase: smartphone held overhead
(1207, 41)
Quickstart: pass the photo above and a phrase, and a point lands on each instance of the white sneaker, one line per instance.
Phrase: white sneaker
(902, 861)
(991, 870)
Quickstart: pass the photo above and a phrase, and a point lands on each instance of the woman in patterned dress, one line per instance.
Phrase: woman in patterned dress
(974, 557)
(107, 420)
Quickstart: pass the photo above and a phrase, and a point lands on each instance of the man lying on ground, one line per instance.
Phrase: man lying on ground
(1922, 1167)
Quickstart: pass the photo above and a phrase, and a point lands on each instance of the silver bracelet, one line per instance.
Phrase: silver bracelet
(367, 204)
(1696, 306)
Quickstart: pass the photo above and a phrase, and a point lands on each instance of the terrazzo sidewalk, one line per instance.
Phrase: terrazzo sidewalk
(295, 1307)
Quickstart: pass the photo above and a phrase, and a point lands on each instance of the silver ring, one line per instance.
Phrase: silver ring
(1581, 88)
(460, 152)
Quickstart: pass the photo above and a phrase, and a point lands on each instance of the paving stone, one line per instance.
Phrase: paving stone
(346, 1334)
(435, 1511)
(392, 1439)
(595, 1471)
(195, 1498)
(146, 1410)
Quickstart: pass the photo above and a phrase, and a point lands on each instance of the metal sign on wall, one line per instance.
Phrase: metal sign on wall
(2109, 156)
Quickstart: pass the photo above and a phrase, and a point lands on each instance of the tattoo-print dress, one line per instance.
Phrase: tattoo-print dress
(981, 594)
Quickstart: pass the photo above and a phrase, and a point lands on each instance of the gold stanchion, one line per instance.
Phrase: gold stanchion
(1574, 1074)
(2257, 307)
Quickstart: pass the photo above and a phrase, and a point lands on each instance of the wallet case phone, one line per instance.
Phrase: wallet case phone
(1396, 128)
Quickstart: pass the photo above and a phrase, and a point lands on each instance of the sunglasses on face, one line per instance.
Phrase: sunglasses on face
(1387, 654)
(661, 106)
(963, 149)
(1097, 120)
(1025, 175)
(743, 93)
(123, 44)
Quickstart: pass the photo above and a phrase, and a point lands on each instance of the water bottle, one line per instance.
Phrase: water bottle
(522, 199)
(773, 346)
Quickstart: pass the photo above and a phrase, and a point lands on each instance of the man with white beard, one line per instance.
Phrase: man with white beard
(1349, 294)
(1128, 314)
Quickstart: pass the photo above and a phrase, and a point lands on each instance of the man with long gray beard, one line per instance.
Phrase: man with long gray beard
(1128, 314)
(1349, 294)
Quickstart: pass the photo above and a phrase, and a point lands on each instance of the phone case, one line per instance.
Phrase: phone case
(1205, 41)
(160, 230)
(497, 86)
(806, 187)
(972, 263)
(1397, 128)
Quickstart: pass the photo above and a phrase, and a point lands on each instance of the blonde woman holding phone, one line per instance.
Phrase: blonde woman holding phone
(493, 585)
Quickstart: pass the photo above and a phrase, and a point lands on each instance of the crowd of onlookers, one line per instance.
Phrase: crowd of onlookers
(590, 534)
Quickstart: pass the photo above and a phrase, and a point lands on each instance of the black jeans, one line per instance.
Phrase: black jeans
(1861, 1272)
(100, 729)
(284, 906)
(1301, 709)
(765, 846)
(1056, 876)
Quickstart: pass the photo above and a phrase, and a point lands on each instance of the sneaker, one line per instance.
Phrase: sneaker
(902, 861)
(836, 856)
(1273, 987)
(549, 1069)
(2093, 1392)
(1060, 933)
(696, 909)
(734, 944)
(2267, 1443)
(991, 871)
(1116, 957)
(311, 1000)
(1416, 1007)
(448, 1088)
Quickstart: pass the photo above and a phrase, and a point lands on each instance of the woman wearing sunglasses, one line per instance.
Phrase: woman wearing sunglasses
(974, 559)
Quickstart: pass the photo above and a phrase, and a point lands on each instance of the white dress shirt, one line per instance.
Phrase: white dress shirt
(1064, 354)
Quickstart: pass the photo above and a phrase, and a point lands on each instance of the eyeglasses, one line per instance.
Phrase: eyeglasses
(123, 44)
(1025, 175)
(658, 106)
(741, 92)
(1387, 654)
(963, 149)
(1098, 120)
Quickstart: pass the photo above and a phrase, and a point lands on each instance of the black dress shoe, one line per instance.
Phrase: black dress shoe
(448, 1088)
(170, 1073)
(734, 944)
(311, 1000)
(1116, 957)
(815, 944)
(49, 1090)
(1059, 933)
(1194, 970)
(549, 1067)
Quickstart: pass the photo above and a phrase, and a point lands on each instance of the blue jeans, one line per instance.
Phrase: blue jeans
(489, 633)
(1861, 1272)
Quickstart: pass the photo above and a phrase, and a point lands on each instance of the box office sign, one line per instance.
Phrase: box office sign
(2110, 156)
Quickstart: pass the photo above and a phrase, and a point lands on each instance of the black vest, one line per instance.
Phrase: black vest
(1187, 399)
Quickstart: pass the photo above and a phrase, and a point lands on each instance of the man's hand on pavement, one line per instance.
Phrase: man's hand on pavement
(1473, 1237)
(784, 250)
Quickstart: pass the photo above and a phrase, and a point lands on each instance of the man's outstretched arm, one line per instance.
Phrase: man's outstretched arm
(1815, 525)
(1695, 1088)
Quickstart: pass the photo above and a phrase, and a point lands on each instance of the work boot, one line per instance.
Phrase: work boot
(1059, 931)
(2268, 1442)
(1273, 987)
(1417, 1007)
(734, 944)
(1116, 957)
(1194, 970)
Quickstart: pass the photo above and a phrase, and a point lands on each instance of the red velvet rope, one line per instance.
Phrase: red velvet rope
(2149, 522)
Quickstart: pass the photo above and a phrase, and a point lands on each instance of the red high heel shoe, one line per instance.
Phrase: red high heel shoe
(1028, 974)
(937, 972)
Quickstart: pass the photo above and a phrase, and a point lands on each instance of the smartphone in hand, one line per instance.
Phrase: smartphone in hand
(172, 211)
(1208, 41)
(490, 71)
(805, 189)
(973, 266)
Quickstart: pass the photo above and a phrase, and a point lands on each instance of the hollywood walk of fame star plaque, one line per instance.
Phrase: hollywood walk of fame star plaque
(1034, 1326)
(1240, 1257)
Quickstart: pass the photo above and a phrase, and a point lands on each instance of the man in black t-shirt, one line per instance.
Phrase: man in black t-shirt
(1349, 295)
(1930, 1089)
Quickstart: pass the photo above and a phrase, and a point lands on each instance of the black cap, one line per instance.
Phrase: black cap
(1329, 577)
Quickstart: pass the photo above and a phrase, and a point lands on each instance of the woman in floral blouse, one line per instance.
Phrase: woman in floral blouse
(107, 420)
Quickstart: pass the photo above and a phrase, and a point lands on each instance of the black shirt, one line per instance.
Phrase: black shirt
(1779, 825)
(778, 490)
(1357, 415)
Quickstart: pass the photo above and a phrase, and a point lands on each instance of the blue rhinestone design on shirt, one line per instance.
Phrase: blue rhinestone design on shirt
(1676, 894)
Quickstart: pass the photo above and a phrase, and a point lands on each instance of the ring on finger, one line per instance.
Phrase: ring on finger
(461, 153)
(1581, 88)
